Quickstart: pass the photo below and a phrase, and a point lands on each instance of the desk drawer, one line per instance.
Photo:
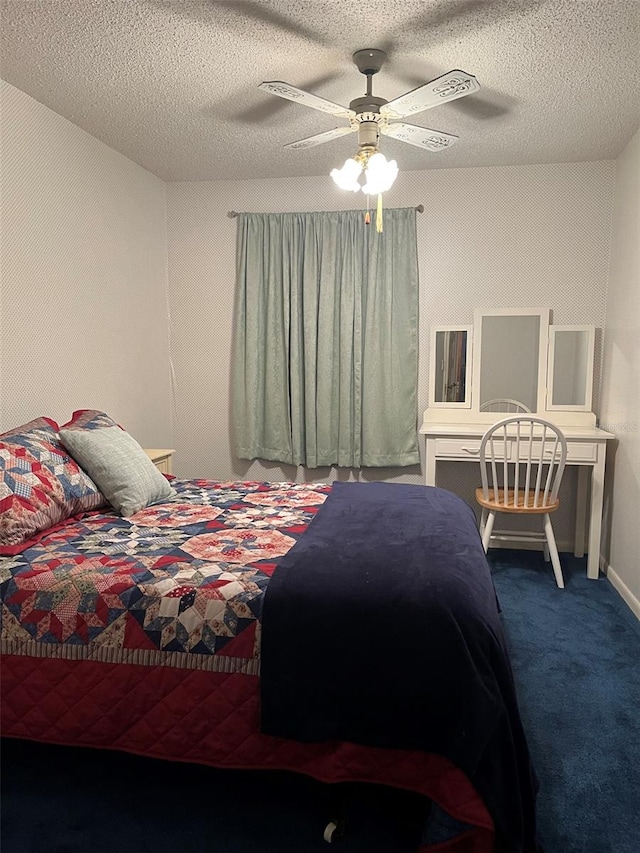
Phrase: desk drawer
(461, 448)
(582, 451)
(469, 448)
(578, 451)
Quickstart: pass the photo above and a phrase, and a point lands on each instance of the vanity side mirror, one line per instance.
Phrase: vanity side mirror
(450, 367)
(570, 368)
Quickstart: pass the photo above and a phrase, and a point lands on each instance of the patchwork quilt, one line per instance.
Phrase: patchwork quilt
(177, 584)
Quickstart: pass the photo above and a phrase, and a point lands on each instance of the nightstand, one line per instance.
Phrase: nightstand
(161, 458)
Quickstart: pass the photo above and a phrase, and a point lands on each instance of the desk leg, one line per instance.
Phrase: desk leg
(595, 522)
(430, 462)
(581, 510)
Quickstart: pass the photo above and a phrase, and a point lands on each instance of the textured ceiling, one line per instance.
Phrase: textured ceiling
(172, 84)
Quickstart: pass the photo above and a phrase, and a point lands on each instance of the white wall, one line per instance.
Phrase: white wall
(620, 410)
(83, 318)
(520, 237)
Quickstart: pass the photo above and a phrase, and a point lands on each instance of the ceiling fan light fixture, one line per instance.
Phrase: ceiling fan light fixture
(379, 173)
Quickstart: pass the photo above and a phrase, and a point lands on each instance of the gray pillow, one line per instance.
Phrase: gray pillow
(118, 466)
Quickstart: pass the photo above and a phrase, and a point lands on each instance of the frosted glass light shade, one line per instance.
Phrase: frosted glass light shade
(347, 177)
(380, 174)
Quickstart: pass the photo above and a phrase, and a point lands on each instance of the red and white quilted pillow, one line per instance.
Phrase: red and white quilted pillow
(40, 485)
(90, 419)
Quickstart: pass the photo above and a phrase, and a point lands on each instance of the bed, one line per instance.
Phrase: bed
(168, 633)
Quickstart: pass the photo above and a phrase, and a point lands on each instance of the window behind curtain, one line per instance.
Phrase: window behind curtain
(325, 358)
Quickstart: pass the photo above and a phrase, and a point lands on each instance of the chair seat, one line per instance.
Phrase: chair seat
(519, 506)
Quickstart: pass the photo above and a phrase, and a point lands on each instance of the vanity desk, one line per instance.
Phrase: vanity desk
(513, 360)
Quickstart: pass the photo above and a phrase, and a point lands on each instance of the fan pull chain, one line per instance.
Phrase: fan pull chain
(367, 216)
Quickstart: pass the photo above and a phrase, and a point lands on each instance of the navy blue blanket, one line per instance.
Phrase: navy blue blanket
(381, 627)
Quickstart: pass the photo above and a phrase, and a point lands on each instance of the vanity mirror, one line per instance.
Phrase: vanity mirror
(510, 361)
(450, 367)
(570, 368)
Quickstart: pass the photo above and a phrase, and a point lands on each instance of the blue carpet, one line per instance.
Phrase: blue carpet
(576, 661)
(575, 655)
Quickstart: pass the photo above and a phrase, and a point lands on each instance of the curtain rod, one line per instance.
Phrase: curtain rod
(233, 213)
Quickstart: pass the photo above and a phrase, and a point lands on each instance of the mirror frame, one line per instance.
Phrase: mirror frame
(588, 391)
(466, 403)
(543, 340)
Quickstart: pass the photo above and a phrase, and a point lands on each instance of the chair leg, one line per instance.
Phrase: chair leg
(553, 550)
(483, 520)
(488, 527)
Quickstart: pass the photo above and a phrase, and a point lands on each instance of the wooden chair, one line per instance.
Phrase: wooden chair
(522, 460)
(504, 404)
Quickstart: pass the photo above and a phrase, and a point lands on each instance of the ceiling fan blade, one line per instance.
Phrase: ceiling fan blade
(319, 138)
(266, 108)
(489, 104)
(454, 84)
(286, 90)
(422, 137)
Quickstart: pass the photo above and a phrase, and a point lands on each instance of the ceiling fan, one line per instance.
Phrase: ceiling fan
(370, 116)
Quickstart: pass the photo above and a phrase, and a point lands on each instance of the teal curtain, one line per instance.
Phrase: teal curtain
(325, 355)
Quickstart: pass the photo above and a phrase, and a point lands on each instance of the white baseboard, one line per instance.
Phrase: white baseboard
(621, 587)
